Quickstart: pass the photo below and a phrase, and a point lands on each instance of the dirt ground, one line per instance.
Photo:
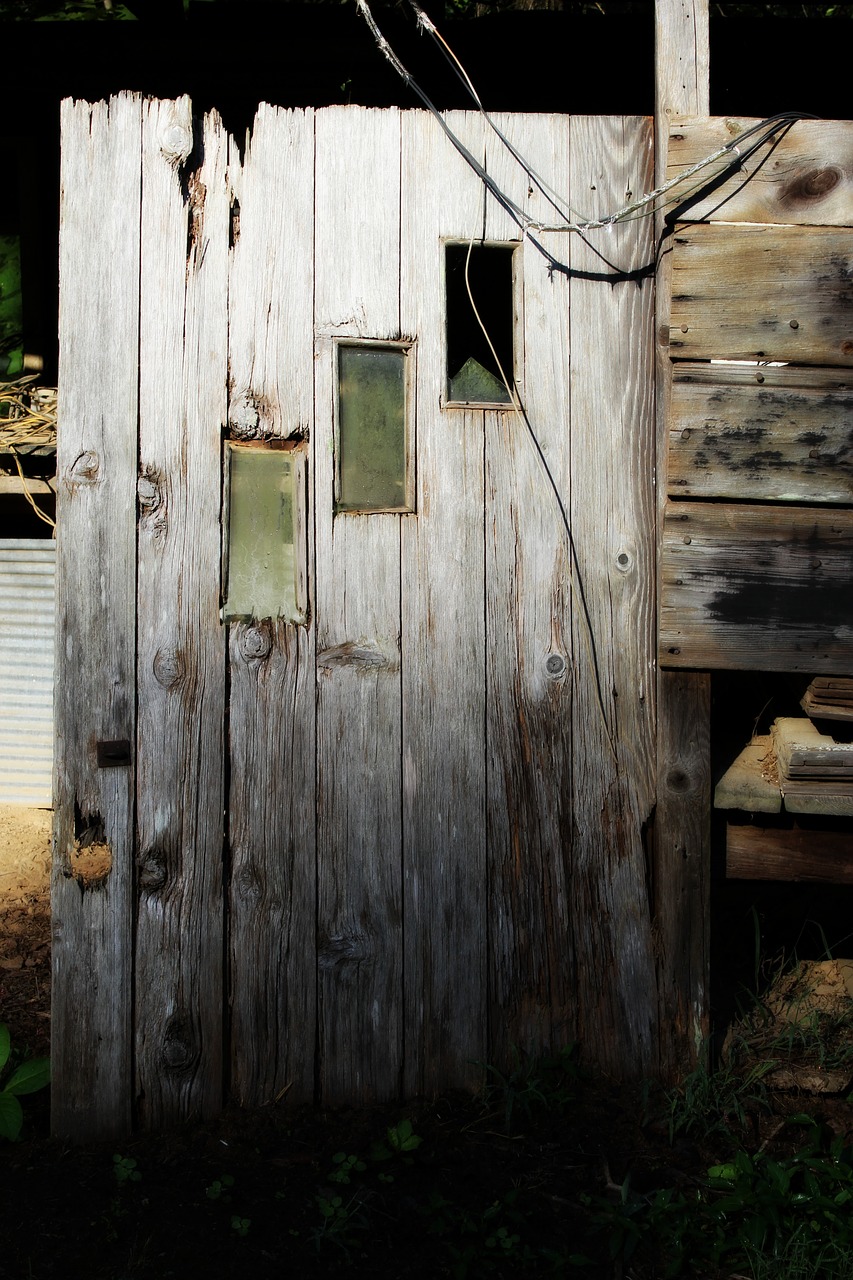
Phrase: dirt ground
(25, 925)
(497, 1186)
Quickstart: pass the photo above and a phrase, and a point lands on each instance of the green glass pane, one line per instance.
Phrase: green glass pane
(372, 429)
(261, 553)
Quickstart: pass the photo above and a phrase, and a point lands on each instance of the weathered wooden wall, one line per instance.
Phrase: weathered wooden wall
(374, 850)
(755, 568)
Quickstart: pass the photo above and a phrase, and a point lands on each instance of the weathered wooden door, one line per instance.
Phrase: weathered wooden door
(362, 852)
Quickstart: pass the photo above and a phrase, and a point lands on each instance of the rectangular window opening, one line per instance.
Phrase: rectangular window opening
(480, 365)
(264, 561)
(374, 471)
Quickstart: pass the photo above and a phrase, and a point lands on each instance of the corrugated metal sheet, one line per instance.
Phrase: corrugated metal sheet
(27, 576)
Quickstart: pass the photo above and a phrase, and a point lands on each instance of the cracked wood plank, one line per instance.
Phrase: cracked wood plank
(95, 617)
(359, 892)
(756, 588)
(181, 643)
(804, 176)
(271, 806)
(533, 962)
(612, 519)
(443, 606)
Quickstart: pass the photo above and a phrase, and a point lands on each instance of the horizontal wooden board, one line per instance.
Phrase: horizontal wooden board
(756, 588)
(751, 782)
(804, 175)
(743, 292)
(784, 438)
(820, 854)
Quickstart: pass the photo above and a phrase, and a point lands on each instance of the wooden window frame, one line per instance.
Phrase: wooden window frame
(515, 375)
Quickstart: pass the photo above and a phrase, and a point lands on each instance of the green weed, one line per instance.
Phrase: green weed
(19, 1075)
(531, 1084)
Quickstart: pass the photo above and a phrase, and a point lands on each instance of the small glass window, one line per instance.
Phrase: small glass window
(262, 566)
(479, 364)
(373, 472)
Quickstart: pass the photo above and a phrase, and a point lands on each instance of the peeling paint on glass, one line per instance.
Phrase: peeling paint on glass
(371, 462)
(261, 561)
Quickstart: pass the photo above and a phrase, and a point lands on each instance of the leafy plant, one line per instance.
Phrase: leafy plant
(240, 1225)
(18, 1076)
(125, 1170)
(219, 1189)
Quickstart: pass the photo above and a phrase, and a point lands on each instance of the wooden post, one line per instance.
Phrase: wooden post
(682, 819)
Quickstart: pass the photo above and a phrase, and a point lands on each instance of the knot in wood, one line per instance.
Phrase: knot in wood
(179, 1051)
(814, 184)
(84, 469)
(152, 869)
(148, 493)
(555, 664)
(678, 780)
(249, 884)
(176, 143)
(255, 643)
(244, 418)
(168, 667)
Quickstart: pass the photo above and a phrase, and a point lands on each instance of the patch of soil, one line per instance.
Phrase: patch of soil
(25, 926)
(493, 1187)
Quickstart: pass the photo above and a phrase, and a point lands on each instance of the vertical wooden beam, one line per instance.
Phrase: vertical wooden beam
(612, 520)
(95, 617)
(359, 751)
(181, 643)
(683, 815)
(443, 643)
(271, 802)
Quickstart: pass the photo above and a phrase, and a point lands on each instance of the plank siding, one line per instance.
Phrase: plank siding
(763, 588)
(95, 615)
(793, 298)
(612, 520)
(532, 960)
(181, 662)
(443, 637)
(680, 835)
(271, 800)
(360, 918)
(762, 438)
(804, 177)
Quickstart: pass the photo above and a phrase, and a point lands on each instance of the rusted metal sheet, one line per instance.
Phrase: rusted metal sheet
(744, 292)
(765, 588)
(802, 176)
(767, 435)
(27, 629)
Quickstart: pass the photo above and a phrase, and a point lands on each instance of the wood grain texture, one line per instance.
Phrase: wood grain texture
(742, 292)
(95, 616)
(804, 177)
(772, 440)
(271, 801)
(612, 521)
(532, 961)
(181, 644)
(763, 588)
(443, 607)
(681, 834)
(822, 855)
(359, 751)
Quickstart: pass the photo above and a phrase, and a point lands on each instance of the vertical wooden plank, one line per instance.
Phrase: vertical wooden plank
(181, 649)
(528, 627)
(612, 519)
(682, 829)
(271, 811)
(96, 616)
(359, 899)
(443, 607)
